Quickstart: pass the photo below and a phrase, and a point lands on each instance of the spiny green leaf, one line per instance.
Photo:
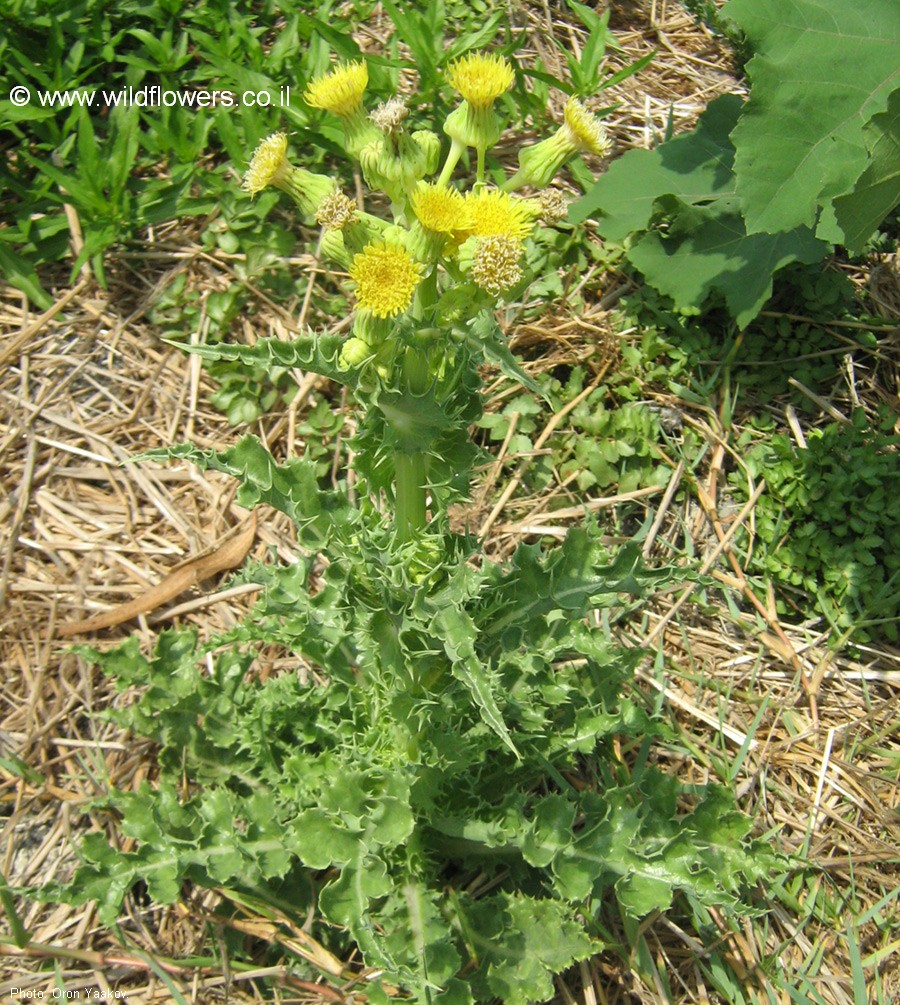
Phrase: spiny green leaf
(486, 339)
(457, 633)
(313, 353)
(321, 840)
(291, 487)
(523, 942)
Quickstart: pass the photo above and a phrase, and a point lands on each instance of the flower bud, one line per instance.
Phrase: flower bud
(473, 127)
(581, 132)
(354, 353)
(269, 166)
(430, 145)
(396, 164)
(371, 329)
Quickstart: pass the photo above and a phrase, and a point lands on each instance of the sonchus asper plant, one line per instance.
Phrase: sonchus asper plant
(439, 776)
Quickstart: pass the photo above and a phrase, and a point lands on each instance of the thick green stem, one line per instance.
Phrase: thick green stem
(453, 156)
(409, 465)
(410, 515)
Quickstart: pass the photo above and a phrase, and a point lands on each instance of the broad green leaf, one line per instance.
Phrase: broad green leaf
(688, 186)
(822, 70)
(716, 255)
(878, 190)
(695, 167)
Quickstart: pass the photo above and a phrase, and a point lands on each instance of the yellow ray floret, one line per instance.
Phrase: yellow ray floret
(481, 78)
(496, 214)
(386, 277)
(268, 160)
(441, 209)
(340, 90)
(586, 130)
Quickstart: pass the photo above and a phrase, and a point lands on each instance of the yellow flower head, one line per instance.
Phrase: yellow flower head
(268, 161)
(440, 209)
(481, 78)
(386, 277)
(340, 90)
(495, 263)
(496, 214)
(586, 131)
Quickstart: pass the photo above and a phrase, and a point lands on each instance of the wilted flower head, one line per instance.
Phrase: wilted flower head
(390, 115)
(386, 277)
(340, 90)
(554, 204)
(495, 263)
(481, 78)
(335, 211)
(268, 161)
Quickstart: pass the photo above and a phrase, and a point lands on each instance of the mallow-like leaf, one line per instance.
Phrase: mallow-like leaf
(677, 210)
(821, 70)
(877, 192)
(717, 255)
(696, 168)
